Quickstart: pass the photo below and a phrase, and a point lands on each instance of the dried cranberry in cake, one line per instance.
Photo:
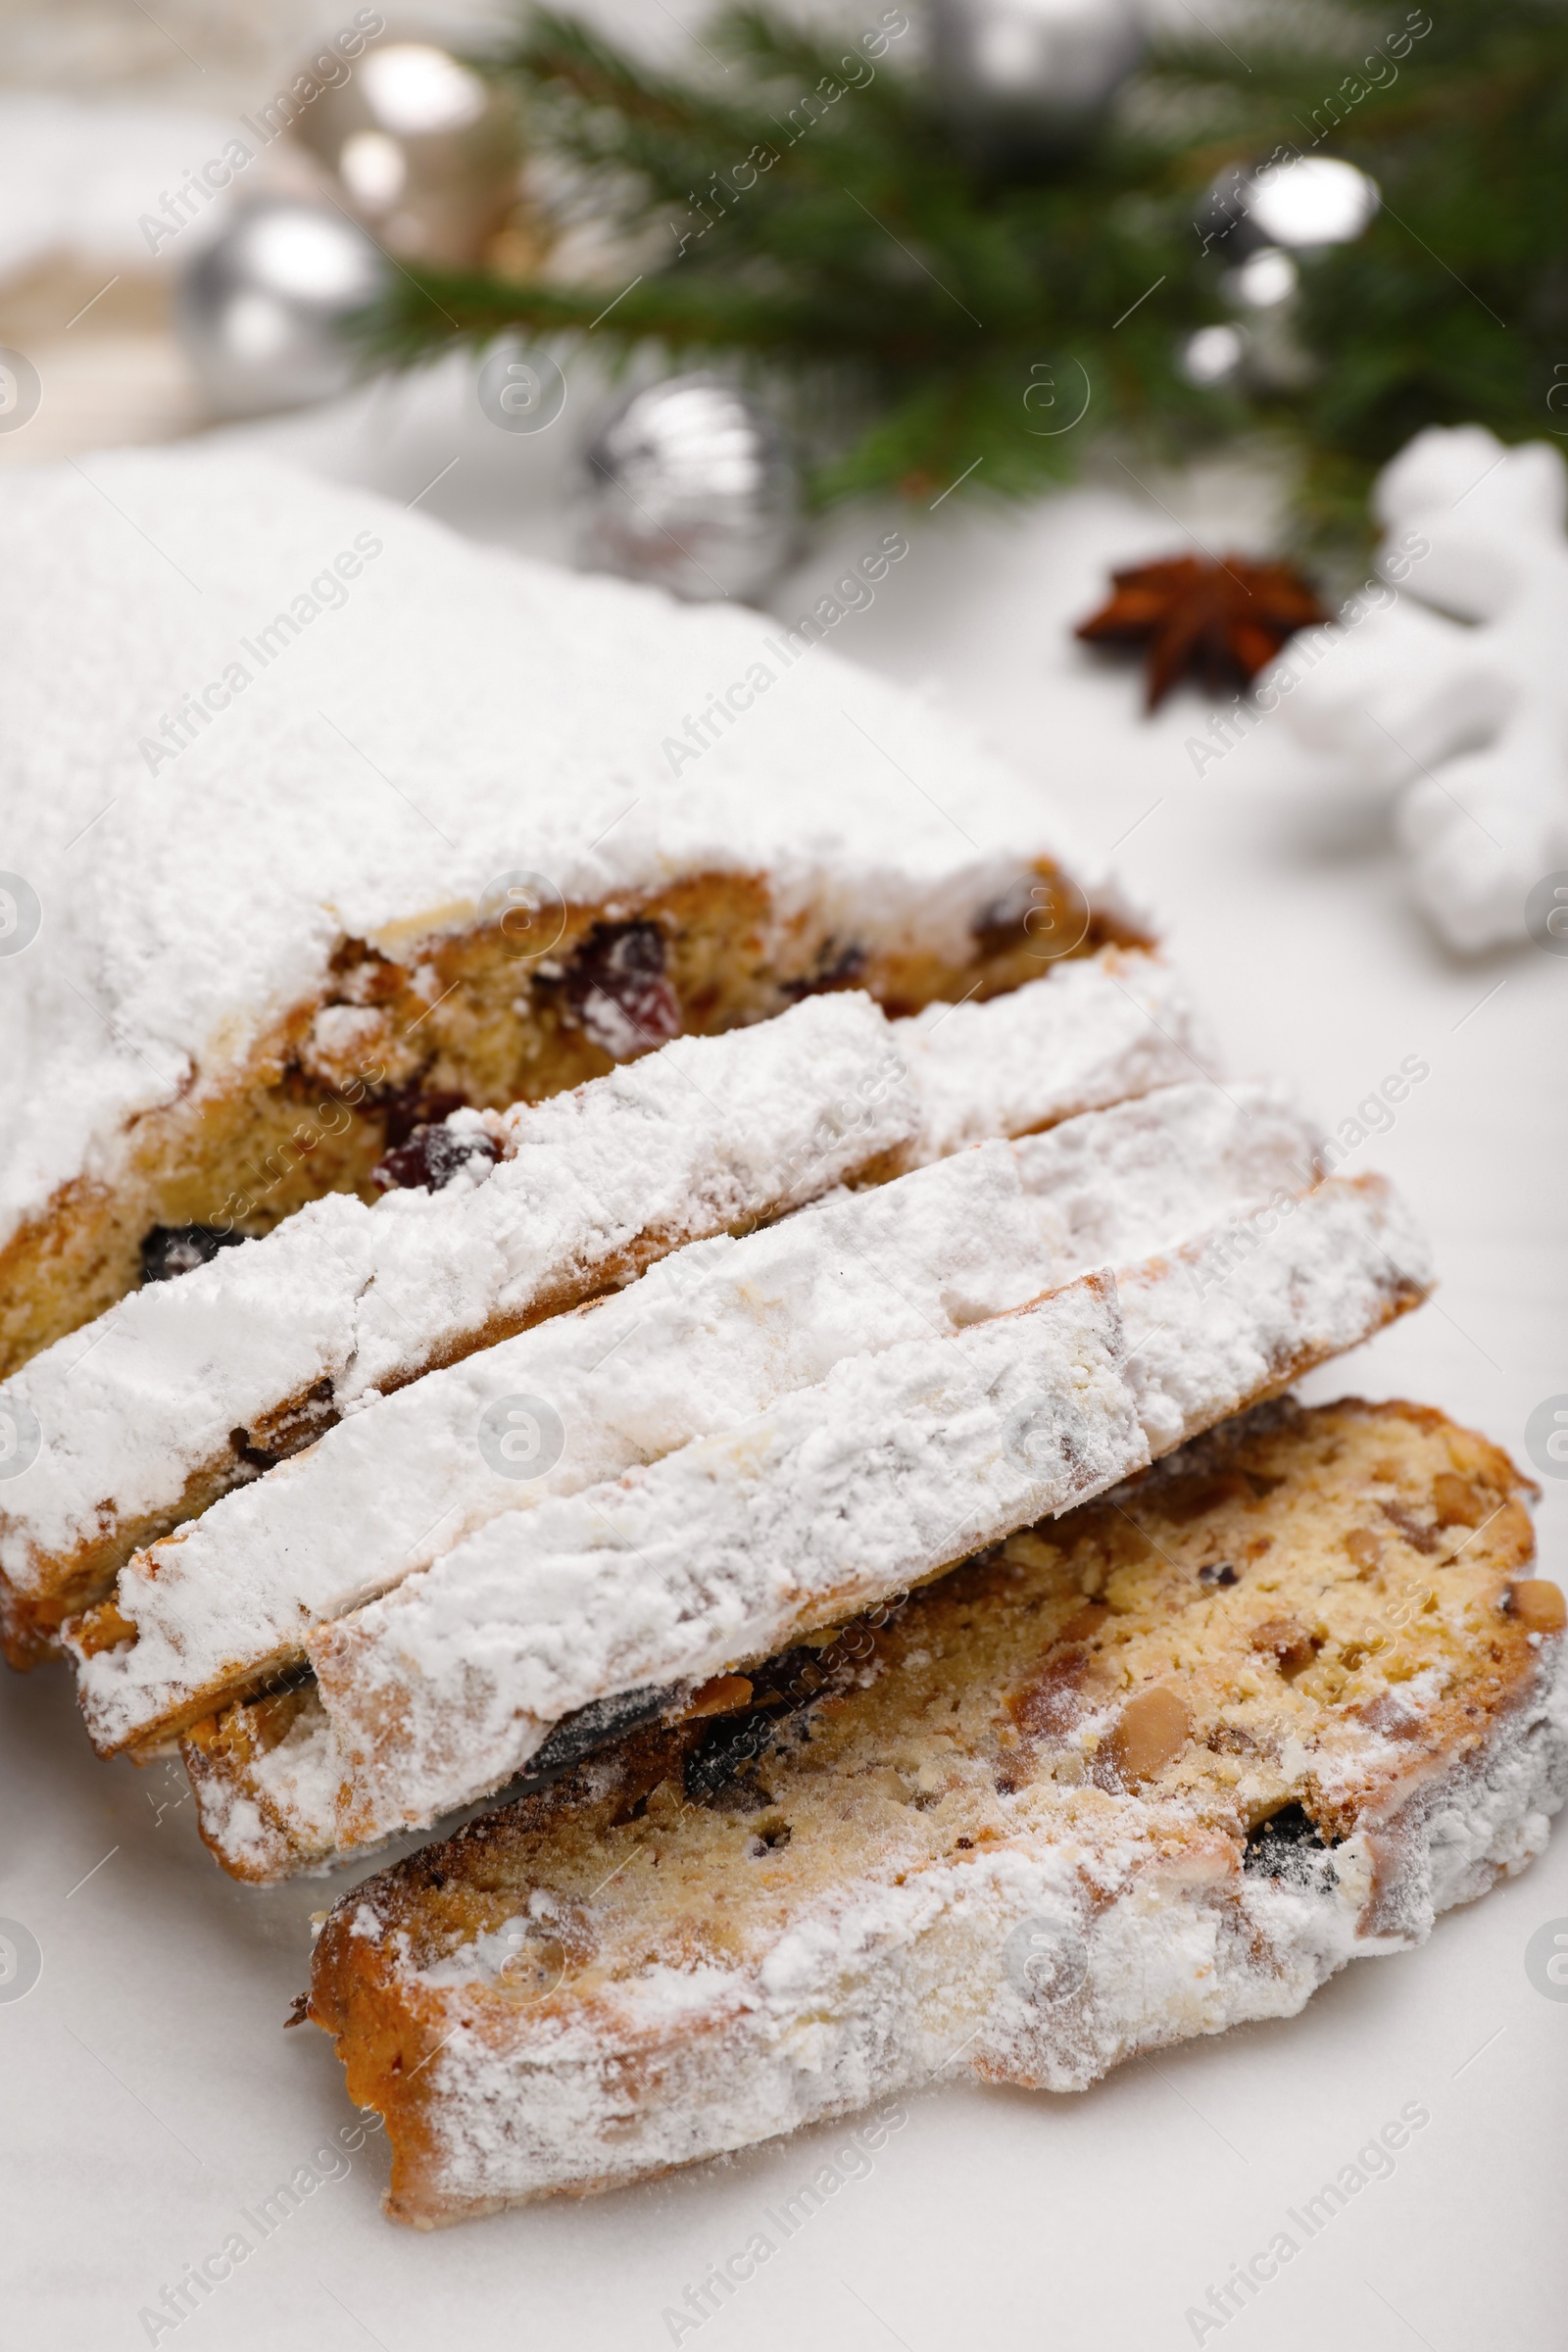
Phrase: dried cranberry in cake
(421, 1149)
(617, 989)
(411, 1108)
(836, 967)
(171, 1249)
(1049, 915)
(433, 1155)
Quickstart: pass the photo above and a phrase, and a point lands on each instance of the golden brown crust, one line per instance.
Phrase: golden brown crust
(217, 1752)
(32, 1623)
(1012, 1703)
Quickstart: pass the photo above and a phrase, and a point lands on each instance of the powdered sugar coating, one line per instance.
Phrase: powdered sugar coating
(428, 717)
(426, 1691)
(895, 1466)
(1254, 1303)
(347, 1301)
(344, 1301)
(1220, 1321)
(282, 1808)
(714, 1333)
(1117, 1026)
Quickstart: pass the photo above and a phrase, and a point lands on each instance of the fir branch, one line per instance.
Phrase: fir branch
(851, 240)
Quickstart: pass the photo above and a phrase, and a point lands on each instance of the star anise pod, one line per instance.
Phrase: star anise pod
(1222, 623)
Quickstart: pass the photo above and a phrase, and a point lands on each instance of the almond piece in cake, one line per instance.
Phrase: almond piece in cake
(1149, 1771)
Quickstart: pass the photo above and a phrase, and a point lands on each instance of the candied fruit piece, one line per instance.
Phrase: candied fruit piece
(171, 1249)
(434, 1155)
(618, 990)
(1152, 1731)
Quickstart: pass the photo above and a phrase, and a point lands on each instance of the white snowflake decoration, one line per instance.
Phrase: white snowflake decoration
(1460, 699)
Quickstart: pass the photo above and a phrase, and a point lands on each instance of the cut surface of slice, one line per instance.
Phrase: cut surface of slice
(710, 1335)
(1145, 1772)
(321, 816)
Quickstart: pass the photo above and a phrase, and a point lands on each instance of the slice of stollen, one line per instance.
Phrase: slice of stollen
(710, 1335)
(442, 1690)
(1157, 1768)
(386, 1740)
(892, 1469)
(188, 1389)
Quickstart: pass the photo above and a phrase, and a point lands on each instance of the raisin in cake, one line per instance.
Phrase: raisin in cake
(318, 820)
(1144, 1773)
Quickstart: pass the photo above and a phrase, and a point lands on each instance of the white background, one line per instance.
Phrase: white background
(149, 2092)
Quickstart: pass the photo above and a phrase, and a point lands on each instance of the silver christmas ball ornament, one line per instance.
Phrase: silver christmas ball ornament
(1022, 80)
(1214, 355)
(427, 152)
(262, 309)
(1266, 279)
(1304, 204)
(689, 484)
(1255, 223)
(1311, 201)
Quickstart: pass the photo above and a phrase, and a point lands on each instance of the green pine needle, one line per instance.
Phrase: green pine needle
(922, 319)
